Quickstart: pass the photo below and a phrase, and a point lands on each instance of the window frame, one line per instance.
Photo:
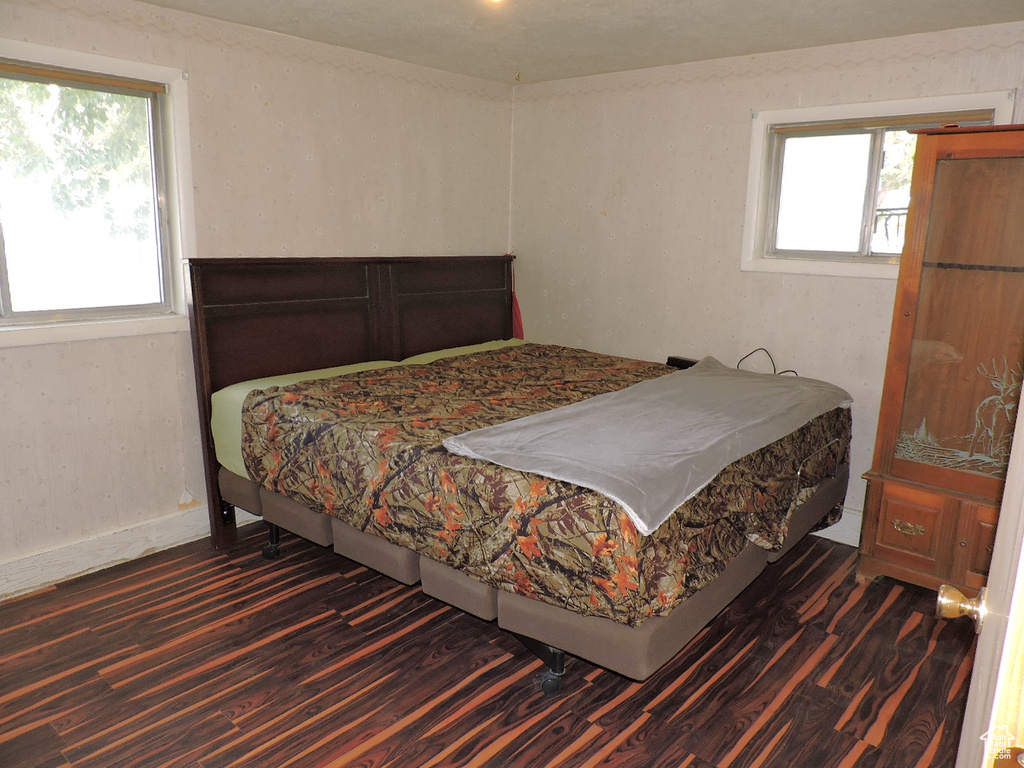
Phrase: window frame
(764, 174)
(170, 149)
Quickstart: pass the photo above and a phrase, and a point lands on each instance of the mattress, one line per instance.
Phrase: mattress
(226, 403)
(366, 448)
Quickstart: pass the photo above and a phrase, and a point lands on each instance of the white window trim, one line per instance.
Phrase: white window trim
(181, 231)
(753, 257)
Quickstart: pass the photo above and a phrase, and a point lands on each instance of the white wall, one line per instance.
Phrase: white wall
(297, 149)
(628, 196)
(628, 207)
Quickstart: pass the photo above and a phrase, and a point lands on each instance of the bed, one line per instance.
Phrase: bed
(557, 565)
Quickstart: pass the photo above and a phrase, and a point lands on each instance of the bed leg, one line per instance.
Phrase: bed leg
(227, 512)
(273, 549)
(551, 678)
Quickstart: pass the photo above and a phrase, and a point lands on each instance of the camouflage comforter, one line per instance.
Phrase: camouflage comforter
(366, 448)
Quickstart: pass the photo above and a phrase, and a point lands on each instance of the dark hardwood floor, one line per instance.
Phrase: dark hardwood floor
(204, 659)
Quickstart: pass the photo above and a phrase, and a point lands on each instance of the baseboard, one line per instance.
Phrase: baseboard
(847, 530)
(29, 573)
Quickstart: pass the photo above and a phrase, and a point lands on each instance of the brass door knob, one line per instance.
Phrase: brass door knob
(952, 604)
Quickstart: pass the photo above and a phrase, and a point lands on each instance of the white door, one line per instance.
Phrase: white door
(994, 719)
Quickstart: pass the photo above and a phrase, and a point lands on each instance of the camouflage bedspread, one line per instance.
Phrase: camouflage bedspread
(366, 448)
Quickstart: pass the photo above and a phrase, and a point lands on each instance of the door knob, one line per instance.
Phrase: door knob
(952, 604)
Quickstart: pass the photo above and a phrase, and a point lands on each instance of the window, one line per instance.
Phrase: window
(95, 203)
(830, 187)
(80, 181)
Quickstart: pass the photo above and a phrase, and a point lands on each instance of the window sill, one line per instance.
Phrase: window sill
(33, 335)
(822, 267)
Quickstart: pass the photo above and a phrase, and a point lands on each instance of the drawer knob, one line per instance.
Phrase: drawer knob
(908, 529)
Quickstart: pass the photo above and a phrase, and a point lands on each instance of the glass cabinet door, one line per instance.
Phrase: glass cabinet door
(964, 370)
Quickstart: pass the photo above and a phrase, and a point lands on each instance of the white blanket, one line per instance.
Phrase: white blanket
(654, 445)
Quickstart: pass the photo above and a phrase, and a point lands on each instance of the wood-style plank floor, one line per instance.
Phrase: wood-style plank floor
(204, 659)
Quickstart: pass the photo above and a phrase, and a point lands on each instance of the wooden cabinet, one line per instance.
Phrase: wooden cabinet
(955, 366)
(926, 536)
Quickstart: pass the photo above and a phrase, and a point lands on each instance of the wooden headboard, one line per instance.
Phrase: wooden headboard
(259, 317)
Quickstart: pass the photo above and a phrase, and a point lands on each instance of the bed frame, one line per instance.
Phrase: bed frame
(260, 317)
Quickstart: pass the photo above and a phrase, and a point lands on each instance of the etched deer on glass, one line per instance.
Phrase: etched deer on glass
(994, 417)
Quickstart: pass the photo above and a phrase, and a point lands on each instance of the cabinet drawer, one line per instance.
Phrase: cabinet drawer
(909, 526)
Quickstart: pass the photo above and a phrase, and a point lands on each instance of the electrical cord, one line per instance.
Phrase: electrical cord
(771, 359)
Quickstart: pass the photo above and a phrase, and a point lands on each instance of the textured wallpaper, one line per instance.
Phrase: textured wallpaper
(628, 208)
(297, 149)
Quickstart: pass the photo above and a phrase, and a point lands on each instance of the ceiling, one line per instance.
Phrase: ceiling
(541, 40)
